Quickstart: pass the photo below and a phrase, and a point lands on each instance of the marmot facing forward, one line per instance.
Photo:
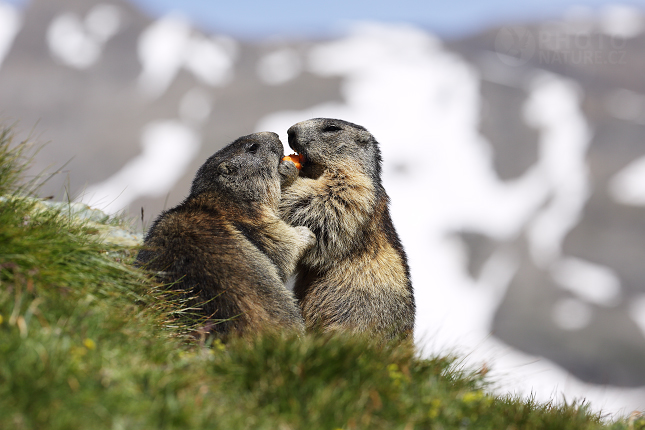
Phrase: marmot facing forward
(356, 276)
(225, 244)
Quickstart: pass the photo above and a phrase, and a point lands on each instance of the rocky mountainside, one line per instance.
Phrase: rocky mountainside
(102, 100)
(514, 158)
(601, 341)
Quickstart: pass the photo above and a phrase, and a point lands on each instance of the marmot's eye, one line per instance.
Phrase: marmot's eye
(253, 148)
(331, 127)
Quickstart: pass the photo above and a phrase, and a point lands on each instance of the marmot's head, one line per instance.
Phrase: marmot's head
(246, 169)
(328, 143)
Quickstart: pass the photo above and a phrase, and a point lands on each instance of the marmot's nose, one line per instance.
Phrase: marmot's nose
(293, 134)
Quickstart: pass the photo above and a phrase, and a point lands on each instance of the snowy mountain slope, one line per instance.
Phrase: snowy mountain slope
(513, 160)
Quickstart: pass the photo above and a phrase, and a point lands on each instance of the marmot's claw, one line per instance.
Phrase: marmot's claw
(288, 173)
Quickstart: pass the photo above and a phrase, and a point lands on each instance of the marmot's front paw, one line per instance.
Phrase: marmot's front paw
(288, 173)
(307, 236)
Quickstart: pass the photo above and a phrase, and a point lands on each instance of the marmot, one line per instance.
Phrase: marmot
(225, 244)
(356, 277)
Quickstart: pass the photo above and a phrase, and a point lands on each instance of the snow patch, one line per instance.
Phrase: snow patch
(621, 20)
(78, 43)
(594, 283)
(168, 148)
(637, 312)
(279, 67)
(209, 61)
(10, 23)
(195, 106)
(553, 108)
(169, 45)
(627, 187)
(103, 21)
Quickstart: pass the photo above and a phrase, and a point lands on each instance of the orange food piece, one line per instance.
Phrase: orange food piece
(298, 159)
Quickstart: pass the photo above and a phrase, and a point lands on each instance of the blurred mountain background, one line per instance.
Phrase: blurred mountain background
(513, 143)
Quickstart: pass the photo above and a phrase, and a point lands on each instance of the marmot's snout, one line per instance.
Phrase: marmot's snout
(293, 136)
(272, 140)
(300, 137)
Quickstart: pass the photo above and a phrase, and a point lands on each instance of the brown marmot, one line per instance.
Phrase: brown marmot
(356, 276)
(225, 244)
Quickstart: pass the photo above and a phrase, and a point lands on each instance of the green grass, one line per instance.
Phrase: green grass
(88, 342)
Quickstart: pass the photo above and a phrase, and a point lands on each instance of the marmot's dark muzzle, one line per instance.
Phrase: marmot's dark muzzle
(272, 140)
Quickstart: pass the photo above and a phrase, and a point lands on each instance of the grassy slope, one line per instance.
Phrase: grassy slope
(87, 342)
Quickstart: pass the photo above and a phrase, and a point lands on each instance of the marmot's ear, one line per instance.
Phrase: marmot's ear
(225, 169)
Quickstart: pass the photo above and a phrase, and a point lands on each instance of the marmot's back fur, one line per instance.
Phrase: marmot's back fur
(225, 245)
(356, 276)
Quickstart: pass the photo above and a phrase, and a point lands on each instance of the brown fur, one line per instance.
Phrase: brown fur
(356, 276)
(225, 245)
